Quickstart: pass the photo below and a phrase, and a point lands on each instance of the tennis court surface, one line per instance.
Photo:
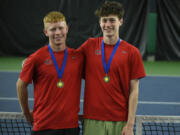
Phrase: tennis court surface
(157, 114)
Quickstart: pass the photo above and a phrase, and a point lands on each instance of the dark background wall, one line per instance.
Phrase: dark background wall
(151, 25)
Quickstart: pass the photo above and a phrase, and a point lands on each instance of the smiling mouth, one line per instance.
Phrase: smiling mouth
(108, 30)
(58, 38)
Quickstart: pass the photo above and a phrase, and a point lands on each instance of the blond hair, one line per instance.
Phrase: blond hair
(53, 17)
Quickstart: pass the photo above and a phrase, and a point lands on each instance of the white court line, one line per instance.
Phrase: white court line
(10, 71)
(168, 76)
(14, 99)
(159, 103)
(140, 102)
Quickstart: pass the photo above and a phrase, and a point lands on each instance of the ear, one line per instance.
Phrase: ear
(121, 21)
(67, 28)
(45, 32)
(100, 20)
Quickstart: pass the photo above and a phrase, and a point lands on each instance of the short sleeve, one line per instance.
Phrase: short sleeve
(28, 69)
(136, 64)
(84, 47)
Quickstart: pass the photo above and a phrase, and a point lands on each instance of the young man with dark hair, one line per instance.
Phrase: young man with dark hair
(113, 70)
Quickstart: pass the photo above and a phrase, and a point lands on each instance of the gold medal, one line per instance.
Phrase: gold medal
(106, 79)
(60, 84)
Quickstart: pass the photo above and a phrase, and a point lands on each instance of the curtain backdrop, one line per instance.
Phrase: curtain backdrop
(168, 30)
(21, 23)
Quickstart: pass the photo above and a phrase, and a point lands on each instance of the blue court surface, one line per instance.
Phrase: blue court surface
(158, 95)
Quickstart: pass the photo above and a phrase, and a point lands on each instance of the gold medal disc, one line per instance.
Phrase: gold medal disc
(60, 84)
(106, 79)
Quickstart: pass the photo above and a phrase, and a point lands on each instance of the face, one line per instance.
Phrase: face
(110, 25)
(57, 33)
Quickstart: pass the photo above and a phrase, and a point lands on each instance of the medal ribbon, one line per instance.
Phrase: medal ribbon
(107, 66)
(59, 72)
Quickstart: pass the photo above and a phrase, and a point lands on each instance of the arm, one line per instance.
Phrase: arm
(133, 101)
(23, 100)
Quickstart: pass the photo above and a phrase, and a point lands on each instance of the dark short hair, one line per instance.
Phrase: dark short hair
(110, 8)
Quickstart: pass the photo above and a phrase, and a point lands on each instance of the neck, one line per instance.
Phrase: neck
(111, 40)
(57, 48)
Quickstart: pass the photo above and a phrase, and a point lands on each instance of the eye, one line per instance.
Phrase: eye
(112, 20)
(61, 28)
(53, 29)
(104, 20)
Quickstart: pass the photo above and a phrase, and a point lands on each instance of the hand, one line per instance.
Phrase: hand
(127, 130)
(29, 117)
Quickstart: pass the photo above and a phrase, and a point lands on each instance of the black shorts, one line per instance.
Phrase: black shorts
(68, 131)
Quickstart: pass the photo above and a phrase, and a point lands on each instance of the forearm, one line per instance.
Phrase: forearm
(23, 96)
(133, 101)
(23, 100)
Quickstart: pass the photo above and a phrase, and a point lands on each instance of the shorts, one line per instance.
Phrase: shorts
(68, 131)
(98, 127)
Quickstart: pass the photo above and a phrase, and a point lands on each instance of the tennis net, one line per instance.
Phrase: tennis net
(157, 125)
(13, 123)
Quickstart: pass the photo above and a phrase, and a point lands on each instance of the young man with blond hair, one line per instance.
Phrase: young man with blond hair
(113, 70)
(56, 72)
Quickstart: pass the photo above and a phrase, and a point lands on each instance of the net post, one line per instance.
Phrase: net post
(138, 125)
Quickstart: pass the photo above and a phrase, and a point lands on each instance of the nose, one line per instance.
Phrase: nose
(108, 23)
(58, 31)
